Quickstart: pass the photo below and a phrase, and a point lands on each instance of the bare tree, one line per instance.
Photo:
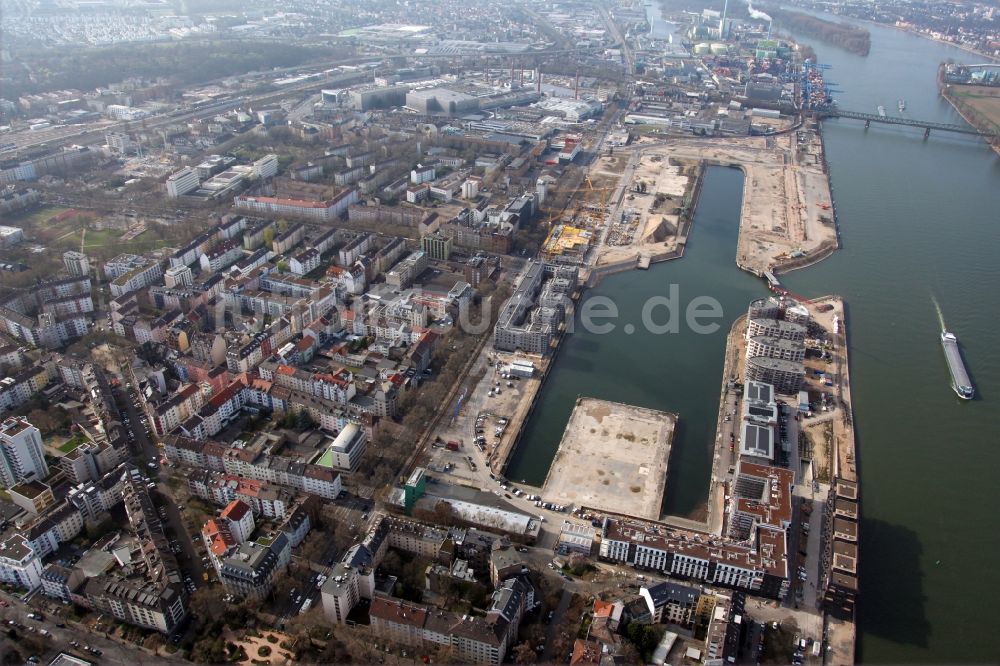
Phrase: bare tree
(524, 653)
(207, 603)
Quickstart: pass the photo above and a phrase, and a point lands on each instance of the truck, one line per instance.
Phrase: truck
(453, 445)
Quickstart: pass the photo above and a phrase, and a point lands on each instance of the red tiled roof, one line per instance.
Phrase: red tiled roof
(281, 201)
(235, 511)
(585, 652)
(603, 608)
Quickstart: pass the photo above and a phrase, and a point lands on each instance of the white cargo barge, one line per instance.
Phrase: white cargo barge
(960, 381)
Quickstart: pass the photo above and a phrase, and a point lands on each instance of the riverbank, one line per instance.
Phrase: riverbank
(842, 632)
(853, 39)
(906, 28)
(917, 33)
(983, 113)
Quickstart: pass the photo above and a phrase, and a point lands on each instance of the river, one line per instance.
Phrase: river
(659, 28)
(917, 218)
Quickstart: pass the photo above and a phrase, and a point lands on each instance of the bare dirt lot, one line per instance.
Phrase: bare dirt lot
(612, 457)
(787, 216)
(649, 215)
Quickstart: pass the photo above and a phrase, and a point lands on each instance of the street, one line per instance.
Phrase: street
(148, 452)
(61, 637)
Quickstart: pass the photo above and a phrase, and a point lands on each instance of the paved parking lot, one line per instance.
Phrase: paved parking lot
(494, 397)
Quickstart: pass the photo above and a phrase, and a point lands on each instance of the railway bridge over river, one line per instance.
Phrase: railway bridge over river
(927, 125)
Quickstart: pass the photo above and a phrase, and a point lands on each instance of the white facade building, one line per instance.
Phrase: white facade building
(266, 166)
(77, 263)
(182, 182)
(21, 454)
(348, 447)
(19, 564)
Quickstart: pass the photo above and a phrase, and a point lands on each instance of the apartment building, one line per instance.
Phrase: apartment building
(775, 328)
(21, 455)
(346, 450)
(288, 239)
(476, 640)
(191, 252)
(839, 581)
(148, 594)
(353, 250)
(20, 566)
(25, 316)
(266, 166)
(91, 460)
(759, 565)
(337, 386)
(314, 211)
(239, 516)
(221, 256)
(671, 603)
(138, 603)
(255, 234)
(309, 478)
(406, 271)
(775, 347)
(248, 571)
(18, 387)
(178, 276)
(422, 174)
(304, 262)
(33, 496)
(437, 246)
(344, 588)
(776, 333)
(76, 263)
(137, 278)
(122, 264)
(263, 497)
(786, 376)
(388, 255)
(531, 317)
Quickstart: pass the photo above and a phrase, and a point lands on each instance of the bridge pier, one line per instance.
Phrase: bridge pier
(868, 124)
(927, 132)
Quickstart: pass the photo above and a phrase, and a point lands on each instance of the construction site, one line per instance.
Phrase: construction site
(657, 196)
(577, 217)
(787, 220)
(612, 458)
